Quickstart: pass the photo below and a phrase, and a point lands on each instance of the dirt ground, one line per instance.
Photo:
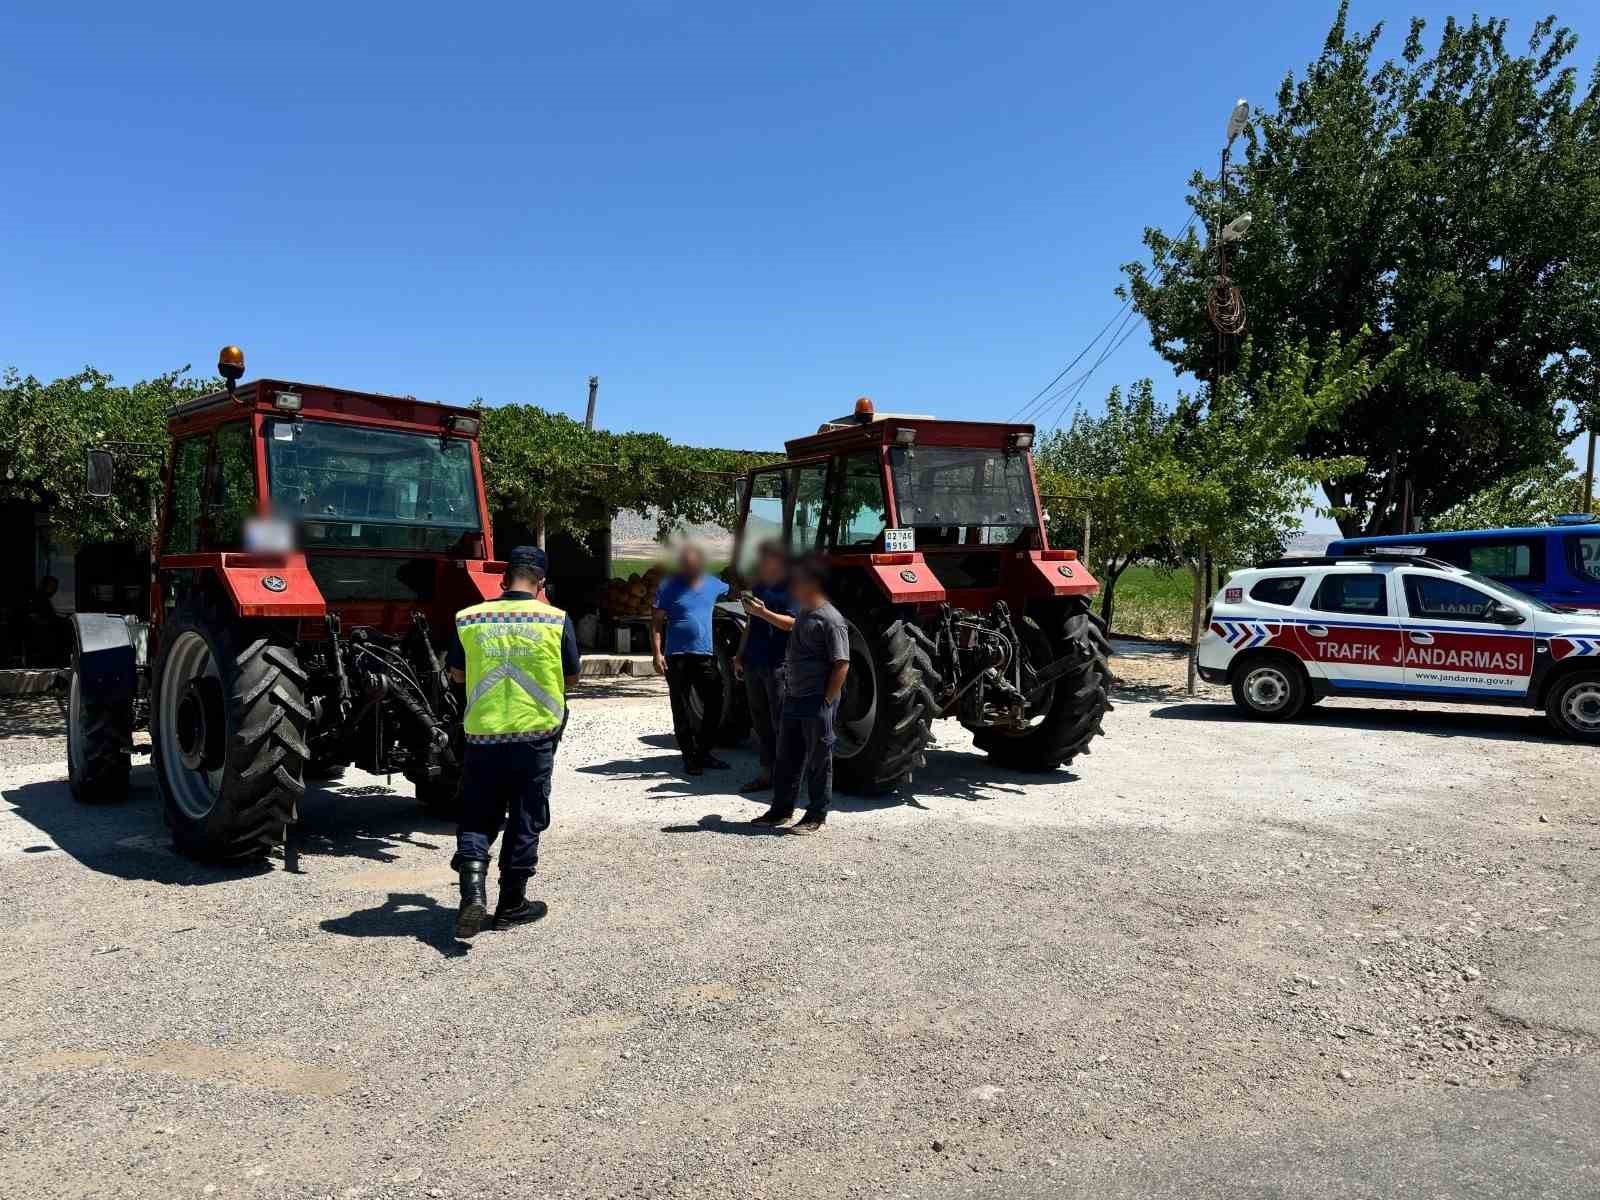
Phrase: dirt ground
(1352, 956)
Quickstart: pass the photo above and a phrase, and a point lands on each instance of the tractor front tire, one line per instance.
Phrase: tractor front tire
(99, 743)
(886, 712)
(1077, 706)
(228, 722)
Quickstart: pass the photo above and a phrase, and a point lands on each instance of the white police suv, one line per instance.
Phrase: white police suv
(1291, 632)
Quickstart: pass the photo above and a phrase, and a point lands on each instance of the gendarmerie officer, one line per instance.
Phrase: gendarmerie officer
(516, 655)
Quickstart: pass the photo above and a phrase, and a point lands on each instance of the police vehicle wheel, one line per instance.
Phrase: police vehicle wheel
(1574, 706)
(228, 722)
(1270, 688)
(1072, 710)
(99, 738)
(887, 707)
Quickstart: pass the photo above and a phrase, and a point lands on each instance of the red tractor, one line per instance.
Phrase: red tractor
(957, 605)
(314, 545)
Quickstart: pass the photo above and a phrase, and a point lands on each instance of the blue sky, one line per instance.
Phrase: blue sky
(740, 216)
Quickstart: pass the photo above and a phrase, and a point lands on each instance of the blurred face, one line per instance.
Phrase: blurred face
(805, 588)
(772, 568)
(691, 561)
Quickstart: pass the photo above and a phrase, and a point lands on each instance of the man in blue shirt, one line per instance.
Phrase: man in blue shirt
(680, 642)
(760, 658)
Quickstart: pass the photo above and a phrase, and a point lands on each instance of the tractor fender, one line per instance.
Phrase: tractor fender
(1055, 573)
(898, 578)
(108, 658)
(282, 589)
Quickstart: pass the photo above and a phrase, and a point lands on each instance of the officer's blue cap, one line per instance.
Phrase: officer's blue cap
(528, 558)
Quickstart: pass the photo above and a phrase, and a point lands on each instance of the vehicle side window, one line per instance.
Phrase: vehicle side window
(860, 514)
(763, 520)
(1440, 599)
(1583, 556)
(233, 496)
(807, 487)
(1277, 589)
(1357, 595)
(188, 493)
(1518, 560)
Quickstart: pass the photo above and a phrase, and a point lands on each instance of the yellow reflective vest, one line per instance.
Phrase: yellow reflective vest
(516, 691)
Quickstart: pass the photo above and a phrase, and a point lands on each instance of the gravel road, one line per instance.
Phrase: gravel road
(1352, 956)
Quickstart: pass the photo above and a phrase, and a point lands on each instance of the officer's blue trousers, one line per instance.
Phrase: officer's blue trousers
(506, 786)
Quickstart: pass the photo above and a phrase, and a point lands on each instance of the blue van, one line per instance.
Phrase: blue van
(1559, 564)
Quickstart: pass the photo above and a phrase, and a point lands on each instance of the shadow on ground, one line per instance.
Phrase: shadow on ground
(32, 716)
(404, 915)
(1509, 726)
(130, 840)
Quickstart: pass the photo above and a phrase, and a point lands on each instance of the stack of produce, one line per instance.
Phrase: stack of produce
(633, 596)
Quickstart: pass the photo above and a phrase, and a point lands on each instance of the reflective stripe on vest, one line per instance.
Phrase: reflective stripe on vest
(516, 690)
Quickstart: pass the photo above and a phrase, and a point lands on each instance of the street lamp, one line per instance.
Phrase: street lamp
(1235, 229)
(1237, 119)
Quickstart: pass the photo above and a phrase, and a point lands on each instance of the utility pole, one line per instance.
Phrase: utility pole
(1588, 476)
(594, 394)
(1225, 306)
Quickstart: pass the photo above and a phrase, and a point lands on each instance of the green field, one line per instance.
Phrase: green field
(622, 568)
(1152, 602)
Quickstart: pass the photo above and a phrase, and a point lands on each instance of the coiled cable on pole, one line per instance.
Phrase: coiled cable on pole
(1225, 305)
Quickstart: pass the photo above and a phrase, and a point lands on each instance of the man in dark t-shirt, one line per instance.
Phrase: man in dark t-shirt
(761, 654)
(817, 661)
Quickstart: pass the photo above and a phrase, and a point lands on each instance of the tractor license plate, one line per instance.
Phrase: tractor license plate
(899, 541)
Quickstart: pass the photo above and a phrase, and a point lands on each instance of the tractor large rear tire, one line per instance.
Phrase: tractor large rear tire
(99, 742)
(441, 796)
(228, 723)
(888, 707)
(735, 729)
(1080, 700)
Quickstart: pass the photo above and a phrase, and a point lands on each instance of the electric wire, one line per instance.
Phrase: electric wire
(1040, 401)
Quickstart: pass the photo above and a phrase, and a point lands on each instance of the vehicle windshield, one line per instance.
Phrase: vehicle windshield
(960, 495)
(1506, 590)
(350, 485)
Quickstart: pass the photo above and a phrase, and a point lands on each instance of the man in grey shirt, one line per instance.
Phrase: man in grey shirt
(816, 665)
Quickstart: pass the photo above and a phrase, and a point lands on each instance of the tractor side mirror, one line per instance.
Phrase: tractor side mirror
(100, 473)
(741, 487)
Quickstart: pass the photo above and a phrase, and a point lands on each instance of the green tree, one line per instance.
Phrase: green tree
(49, 425)
(1125, 467)
(1450, 201)
(1222, 473)
(1532, 497)
(546, 471)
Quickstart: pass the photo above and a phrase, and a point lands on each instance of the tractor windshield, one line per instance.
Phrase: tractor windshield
(350, 485)
(960, 496)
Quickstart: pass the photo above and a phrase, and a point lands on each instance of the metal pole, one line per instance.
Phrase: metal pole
(1588, 477)
(594, 393)
(1088, 517)
(1194, 622)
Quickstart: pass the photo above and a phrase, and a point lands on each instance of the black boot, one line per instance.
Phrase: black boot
(474, 898)
(515, 908)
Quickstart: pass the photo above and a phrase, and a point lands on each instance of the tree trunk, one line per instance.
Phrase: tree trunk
(538, 529)
(1194, 622)
(1108, 590)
